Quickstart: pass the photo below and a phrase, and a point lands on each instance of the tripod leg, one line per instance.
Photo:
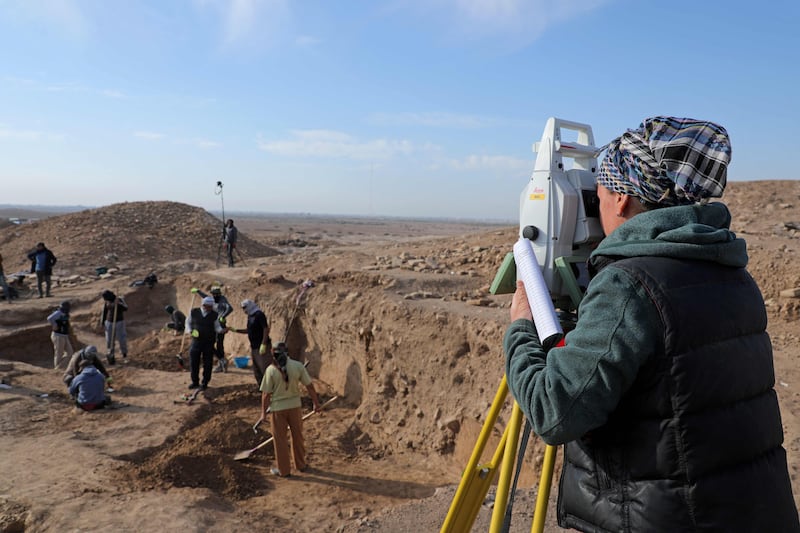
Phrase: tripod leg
(241, 258)
(506, 470)
(543, 494)
(476, 479)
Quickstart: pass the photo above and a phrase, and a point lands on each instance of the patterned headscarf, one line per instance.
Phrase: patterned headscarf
(668, 161)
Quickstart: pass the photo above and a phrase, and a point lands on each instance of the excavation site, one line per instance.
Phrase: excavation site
(393, 319)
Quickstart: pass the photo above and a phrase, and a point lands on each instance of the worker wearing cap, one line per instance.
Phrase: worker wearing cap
(223, 308)
(88, 354)
(59, 322)
(203, 325)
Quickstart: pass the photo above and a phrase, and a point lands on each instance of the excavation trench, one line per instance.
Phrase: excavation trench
(411, 377)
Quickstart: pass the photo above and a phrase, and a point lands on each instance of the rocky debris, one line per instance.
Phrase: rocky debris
(461, 260)
(790, 293)
(14, 516)
(296, 243)
(418, 295)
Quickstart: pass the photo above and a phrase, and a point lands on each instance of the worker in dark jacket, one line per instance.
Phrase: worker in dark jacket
(230, 238)
(257, 331)
(42, 262)
(178, 323)
(203, 325)
(60, 332)
(663, 393)
(113, 321)
(223, 308)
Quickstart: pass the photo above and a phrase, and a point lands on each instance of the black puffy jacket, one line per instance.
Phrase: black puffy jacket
(685, 450)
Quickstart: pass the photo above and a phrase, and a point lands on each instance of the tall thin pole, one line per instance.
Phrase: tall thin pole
(371, 179)
(222, 200)
(218, 192)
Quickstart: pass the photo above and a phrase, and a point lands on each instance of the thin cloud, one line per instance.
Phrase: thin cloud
(149, 135)
(434, 120)
(336, 144)
(24, 135)
(306, 41)
(111, 93)
(501, 163)
(63, 87)
(16, 80)
(517, 21)
(205, 143)
(249, 22)
(69, 87)
(198, 142)
(62, 16)
(240, 19)
(28, 135)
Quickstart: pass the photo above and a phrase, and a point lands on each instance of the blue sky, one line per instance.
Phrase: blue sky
(383, 107)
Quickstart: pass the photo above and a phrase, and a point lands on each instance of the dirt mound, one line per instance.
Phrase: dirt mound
(201, 453)
(136, 236)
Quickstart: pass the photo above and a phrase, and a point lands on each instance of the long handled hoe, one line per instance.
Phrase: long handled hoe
(111, 358)
(241, 456)
(179, 355)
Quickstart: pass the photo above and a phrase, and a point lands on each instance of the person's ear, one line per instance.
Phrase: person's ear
(622, 204)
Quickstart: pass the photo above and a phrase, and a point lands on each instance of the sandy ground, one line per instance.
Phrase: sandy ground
(399, 326)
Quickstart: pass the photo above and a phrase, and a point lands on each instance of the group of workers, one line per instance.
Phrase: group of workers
(277, 375)
(112, 320)
(86, 377)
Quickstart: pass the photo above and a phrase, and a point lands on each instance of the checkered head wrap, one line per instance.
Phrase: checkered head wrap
(668, 161)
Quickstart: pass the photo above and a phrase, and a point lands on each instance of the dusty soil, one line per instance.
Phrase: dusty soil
(399, 325)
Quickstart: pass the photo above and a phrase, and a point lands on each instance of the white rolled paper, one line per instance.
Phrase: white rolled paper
(544, 314)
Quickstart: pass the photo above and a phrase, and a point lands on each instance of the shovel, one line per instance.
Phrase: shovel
(241, 456)
(187, 399)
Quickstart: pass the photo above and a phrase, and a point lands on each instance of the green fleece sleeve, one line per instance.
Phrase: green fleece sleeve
(573, 389)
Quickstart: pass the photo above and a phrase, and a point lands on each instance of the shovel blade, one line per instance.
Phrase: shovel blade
(241, 456)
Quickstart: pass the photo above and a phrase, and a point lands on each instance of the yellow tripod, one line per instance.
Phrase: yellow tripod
(478, 477)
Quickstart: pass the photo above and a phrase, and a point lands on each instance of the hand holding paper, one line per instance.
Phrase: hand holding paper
(544, 314)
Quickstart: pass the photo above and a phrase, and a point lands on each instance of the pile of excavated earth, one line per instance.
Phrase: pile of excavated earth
(399, 327)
